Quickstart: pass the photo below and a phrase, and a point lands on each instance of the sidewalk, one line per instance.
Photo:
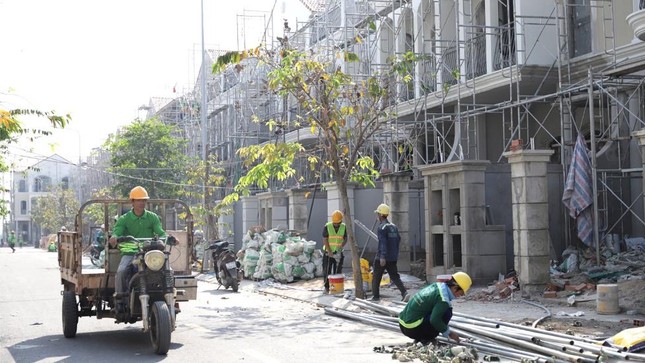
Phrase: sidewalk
(514, 309)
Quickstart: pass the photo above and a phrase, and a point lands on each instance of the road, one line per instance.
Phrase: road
(220, 326)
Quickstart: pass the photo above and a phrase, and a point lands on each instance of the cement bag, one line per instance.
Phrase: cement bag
(263, 273)
(298, 271)
(251, 257)
(287, 258)
(632, 339)
(309, 268)
(277, 251)
(253, 244)
(249, 270)
(271, 236)
(309, 247)
(303, 258)
(294, 248)
(265, 257)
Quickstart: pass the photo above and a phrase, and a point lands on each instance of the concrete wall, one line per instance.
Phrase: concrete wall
(536, 43)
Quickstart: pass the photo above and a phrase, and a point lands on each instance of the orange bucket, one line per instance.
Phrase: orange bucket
(336, 284)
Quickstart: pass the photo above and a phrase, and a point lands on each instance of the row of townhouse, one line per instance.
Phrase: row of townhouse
(500, 93)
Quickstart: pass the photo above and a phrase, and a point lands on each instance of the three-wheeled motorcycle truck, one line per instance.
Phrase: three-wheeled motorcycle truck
(160, 276)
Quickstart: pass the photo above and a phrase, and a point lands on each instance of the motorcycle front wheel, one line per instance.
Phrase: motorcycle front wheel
(159, 327)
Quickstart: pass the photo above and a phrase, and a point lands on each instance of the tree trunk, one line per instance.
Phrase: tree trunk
(356, 263)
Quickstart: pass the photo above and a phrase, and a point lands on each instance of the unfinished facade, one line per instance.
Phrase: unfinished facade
(484, 135)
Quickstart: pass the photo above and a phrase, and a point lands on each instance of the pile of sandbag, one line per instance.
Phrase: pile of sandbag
(274, 254)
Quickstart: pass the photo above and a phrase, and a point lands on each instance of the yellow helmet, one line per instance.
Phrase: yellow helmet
(463, 280)
(139, 192)
(337, 216)
(383, 209)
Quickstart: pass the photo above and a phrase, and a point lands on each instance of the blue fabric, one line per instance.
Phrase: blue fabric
(578, 192)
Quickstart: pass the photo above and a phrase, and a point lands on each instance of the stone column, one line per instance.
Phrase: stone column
(298, 210)
(274, 210)
(395, 194)
(250, 212)
(530, 217)
(333, 198)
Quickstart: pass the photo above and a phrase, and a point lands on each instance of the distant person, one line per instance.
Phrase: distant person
(429, 311)
(334, 240)
(387, 254)
(11, 240)
(138, 223)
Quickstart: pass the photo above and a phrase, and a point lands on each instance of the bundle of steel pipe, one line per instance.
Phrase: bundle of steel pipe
(509, 340)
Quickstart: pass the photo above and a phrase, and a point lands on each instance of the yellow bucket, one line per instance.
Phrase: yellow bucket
(336, 284)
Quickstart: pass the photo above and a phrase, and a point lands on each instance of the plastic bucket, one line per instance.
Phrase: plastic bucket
(336, 284)
(607, 299)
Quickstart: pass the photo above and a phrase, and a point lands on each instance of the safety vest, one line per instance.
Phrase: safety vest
(335, 238)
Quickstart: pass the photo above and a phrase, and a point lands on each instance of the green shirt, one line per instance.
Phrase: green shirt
(11, 239)
(433, 300)
(148, 225)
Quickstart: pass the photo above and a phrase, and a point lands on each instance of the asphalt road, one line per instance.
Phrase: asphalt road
(220, 326)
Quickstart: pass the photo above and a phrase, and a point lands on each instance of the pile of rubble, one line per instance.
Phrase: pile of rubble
(275, 254)
(579, 273)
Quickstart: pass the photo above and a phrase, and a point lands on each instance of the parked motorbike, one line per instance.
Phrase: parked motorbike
(96, 250)
(225, 265)
(150, 296)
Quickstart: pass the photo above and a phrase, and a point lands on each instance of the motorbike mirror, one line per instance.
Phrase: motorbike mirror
(171, 240)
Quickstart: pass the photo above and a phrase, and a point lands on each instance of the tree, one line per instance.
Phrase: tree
(11, 129)
(204, 179)
(344, 111)
(147, 153)
(57, 208)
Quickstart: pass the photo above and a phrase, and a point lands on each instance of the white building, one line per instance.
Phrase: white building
(31, 183)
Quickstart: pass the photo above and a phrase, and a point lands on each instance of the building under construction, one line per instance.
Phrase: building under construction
(506, 96)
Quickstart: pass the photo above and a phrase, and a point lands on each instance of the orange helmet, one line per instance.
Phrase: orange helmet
(337, 216)
(139, 192)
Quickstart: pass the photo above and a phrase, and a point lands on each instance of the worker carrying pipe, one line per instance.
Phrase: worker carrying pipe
(429, 311)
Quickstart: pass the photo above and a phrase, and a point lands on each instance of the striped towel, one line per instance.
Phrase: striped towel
(578, 192)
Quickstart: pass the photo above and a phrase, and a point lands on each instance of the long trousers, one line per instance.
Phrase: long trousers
(392, 270)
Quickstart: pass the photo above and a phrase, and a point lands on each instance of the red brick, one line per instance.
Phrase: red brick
(550, 294)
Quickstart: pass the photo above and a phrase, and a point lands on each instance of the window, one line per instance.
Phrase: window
(23, 207)
(65, 183)
(22, 186)
(42, 184)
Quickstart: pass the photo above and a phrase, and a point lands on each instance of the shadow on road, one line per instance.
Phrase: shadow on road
(126, 345)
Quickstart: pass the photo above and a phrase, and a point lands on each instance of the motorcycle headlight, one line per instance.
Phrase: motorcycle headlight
(154, 260)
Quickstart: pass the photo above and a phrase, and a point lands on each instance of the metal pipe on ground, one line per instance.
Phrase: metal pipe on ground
(348, 315)
(520, 343)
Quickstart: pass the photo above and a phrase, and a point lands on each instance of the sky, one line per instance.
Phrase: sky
(99, 61)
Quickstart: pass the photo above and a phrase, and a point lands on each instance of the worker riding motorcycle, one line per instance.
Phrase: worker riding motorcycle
(150, 293)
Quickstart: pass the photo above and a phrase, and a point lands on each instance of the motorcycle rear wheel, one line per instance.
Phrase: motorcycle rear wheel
(159, 327)
(234, 284)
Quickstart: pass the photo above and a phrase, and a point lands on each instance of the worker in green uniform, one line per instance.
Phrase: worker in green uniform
(429, 311)
(138, 223)
(11, 240)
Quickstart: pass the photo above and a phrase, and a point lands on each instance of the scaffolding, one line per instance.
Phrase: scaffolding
(489, 73)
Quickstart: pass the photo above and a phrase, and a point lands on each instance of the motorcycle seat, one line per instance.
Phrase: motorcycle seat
(219, 245)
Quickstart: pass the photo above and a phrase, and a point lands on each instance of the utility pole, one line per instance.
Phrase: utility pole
(204, 121)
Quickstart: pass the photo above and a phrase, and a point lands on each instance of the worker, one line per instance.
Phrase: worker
(429, 311)
(387, 254)
(11, 240)
(138, 223)
(334, 240)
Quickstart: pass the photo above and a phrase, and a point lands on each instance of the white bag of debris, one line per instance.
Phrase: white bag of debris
(295, 248)
(317, 259)
(309, 247)
(277, 251)
(282, 272)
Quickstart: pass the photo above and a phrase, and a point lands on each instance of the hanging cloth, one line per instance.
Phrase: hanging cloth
(578, 192)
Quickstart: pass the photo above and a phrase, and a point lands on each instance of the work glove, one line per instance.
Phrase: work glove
(382, 262)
